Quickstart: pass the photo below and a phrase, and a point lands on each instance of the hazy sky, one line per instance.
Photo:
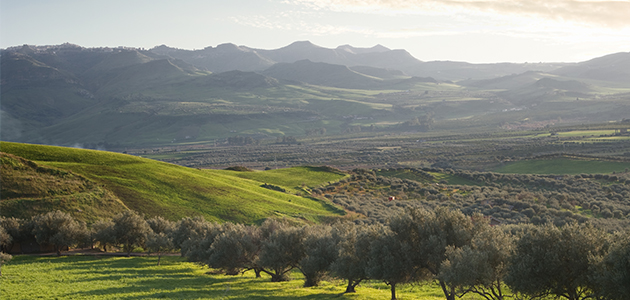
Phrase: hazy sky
(461, 30)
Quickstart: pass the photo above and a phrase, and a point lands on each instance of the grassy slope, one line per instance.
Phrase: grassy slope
(563, 166)
(292, 179)
(29, 188)
(157, 188)
(85, 277)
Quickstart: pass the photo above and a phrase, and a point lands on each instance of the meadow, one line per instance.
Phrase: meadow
(103, 277)
(296, 179)
(171, 191)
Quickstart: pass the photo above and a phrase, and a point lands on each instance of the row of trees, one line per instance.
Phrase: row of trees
(462, 253)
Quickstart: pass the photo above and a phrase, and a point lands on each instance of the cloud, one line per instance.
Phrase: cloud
(296, 21)
(613, 14)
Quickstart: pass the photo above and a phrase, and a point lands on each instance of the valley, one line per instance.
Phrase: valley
(119, 99)
(343, 160)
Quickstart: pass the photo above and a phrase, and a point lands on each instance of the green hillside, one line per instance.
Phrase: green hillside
(296, 179)
(29, 188)
(158, 188)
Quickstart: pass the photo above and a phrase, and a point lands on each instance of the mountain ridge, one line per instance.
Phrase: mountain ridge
(130, 97)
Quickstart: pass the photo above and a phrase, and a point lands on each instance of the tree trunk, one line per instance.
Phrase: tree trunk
(159, 257)
(351, 285)
(279, 278)
(450, 294)
(393, 288)
(310, 281)
(257, 271)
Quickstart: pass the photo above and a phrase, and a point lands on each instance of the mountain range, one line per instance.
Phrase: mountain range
(226, 57)
(118, 97)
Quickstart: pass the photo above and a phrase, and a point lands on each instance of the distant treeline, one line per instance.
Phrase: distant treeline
(464, 254)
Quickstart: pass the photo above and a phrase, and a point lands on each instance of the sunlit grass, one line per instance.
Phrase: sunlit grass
(174, 192)
(89, 277)
(294, 179)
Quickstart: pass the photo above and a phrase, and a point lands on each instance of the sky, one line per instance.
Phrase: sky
(477, 31)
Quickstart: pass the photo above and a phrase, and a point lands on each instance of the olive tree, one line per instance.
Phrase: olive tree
(188, 233)
(320, 251)
(130, 229)
(160, 225)
(389, 261)
(281, 252)
(159, 239)
(430, 234)
(56, 228)
(612, 278)
(481, 267)
(103, 231)
(556, 261)
(353, 252)
(17, 229)
(235, 249)
(158, 243)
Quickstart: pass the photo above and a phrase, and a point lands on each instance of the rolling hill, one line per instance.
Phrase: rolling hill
(508, 82)
(90, 184)
(322, 74)
(613, 67)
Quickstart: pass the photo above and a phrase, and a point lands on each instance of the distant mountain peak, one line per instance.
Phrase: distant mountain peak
(354, 50)
(227, 46)
(379, 48)
(230, 47)
(162, 47)
(301, 45)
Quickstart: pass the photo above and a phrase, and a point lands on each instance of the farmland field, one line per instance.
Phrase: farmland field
(90, 277)
(563, 166)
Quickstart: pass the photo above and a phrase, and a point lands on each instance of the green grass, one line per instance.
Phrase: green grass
(294, 179)
(563, 166)
(29, 188)
(89, 277)
(174, 192)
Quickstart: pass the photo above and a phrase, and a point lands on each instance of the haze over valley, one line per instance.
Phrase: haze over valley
(123, 98)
